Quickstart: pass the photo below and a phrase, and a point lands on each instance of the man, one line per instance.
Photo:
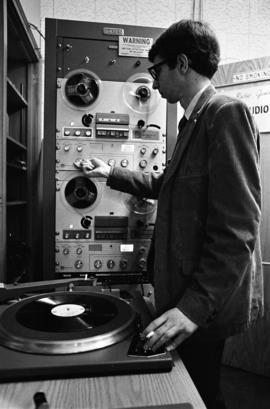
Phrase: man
(207, 262)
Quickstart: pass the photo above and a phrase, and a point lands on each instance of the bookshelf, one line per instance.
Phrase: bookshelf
(19, 145)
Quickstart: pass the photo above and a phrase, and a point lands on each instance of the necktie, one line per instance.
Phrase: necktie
(181, 126)
(182, 123)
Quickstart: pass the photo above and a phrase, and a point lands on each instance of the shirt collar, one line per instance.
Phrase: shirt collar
(194, 101)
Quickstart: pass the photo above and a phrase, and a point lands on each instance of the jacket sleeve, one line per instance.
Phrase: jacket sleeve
(234, 203)
(135, 182)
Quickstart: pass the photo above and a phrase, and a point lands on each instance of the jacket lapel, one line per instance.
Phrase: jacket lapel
(188, 131)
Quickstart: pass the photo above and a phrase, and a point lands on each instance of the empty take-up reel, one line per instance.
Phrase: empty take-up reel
(139, 95)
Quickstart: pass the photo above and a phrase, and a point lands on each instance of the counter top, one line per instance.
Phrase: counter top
(121, 391)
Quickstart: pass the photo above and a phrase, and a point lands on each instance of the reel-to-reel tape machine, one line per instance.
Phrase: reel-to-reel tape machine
(105, 108)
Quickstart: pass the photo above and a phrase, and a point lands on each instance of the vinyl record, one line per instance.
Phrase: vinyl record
(54, 314)
(64, 323)
(80, 192)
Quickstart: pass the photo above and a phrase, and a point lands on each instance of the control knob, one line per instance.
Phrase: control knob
(110, 264)
(140, 123)
(78, 264)
(124, 163)
(142, 263)
(111, 162)
(87, 119)
(143, 150)
(143, 164)
(97, 264)
(123, 264)
(86, 222)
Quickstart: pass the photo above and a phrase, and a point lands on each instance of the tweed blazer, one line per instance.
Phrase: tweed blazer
(207, 259)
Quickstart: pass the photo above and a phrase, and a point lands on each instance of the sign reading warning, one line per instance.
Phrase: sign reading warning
(134, 46)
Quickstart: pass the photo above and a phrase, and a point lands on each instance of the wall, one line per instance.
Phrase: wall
(242, 26)
(31, 9)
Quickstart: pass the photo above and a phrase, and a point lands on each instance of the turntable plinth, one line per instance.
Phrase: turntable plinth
(102, 377)
(122, 391)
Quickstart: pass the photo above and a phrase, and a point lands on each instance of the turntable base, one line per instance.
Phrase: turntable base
(168, 390)
(16, 365)
(105, 377)
(36, 348)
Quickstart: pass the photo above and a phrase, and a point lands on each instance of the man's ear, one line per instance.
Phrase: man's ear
(182, 62)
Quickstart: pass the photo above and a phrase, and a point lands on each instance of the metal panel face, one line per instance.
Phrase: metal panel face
(105, 107)
(100, 56)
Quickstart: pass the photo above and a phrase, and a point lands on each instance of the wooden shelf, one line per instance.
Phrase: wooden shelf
(17, 167)
(20, 142)
(15, 100)
(16, 144)
(21, 45)
(17, 203)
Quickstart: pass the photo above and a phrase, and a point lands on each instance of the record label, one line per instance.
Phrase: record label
(68, 310)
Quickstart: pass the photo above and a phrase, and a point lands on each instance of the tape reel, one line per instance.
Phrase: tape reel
(77, 194)
(80, 192)
(139, 95)
(81, 89)
(139, 205)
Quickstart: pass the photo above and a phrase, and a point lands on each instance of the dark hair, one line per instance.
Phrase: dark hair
(194, 39)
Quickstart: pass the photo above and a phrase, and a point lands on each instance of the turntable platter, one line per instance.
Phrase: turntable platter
(66, 323)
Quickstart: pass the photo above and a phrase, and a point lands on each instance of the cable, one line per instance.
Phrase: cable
(37, 29)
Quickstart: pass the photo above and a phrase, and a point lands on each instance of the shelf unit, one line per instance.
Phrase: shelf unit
(19, 145)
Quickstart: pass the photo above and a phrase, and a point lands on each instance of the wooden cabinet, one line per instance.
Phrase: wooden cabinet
(20, 143)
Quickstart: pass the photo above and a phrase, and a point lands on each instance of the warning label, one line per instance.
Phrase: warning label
(134, 46)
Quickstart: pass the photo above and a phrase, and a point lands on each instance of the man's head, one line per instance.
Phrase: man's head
(185, 58)
(192, 38)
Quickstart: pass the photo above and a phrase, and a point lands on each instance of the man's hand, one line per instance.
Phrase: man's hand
(93, 167)
(170, 329)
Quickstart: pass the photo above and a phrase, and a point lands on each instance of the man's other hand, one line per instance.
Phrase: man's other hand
(170, 329)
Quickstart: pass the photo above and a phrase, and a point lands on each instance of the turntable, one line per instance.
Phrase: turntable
(73, 334)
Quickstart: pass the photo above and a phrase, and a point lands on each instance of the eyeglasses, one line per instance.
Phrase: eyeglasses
(154, 70)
